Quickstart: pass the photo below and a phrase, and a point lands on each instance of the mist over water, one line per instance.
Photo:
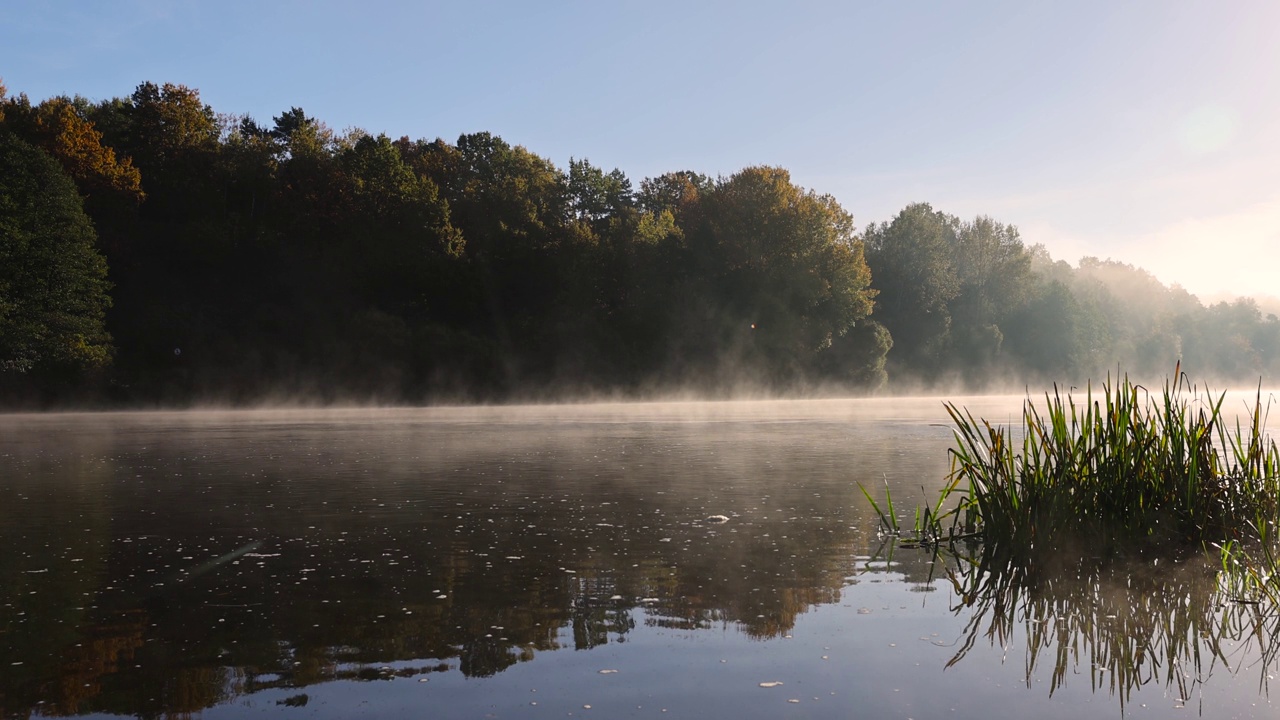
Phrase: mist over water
(482, 559)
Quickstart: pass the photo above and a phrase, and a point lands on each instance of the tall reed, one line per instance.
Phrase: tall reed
(1121, 468)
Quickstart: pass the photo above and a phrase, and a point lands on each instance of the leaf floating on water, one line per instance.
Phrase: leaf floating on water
(771, 684)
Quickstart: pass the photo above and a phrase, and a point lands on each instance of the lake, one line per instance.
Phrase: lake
(685, 559)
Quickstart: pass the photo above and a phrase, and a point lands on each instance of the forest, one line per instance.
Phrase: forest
(156, 252)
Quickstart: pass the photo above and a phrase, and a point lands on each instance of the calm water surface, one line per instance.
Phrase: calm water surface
(552, 561)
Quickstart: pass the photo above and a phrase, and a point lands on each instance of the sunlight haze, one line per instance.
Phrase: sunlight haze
(1141, 132)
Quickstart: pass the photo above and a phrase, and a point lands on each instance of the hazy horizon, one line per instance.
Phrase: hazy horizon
(1140, 133)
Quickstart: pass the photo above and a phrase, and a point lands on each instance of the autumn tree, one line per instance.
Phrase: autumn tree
(58, 128)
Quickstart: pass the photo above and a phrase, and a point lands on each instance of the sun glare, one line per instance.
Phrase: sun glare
(1206, 129)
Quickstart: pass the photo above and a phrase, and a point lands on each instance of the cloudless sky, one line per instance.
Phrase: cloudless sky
(1142, 131)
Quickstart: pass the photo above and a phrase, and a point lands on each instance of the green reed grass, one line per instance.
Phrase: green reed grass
(1132, 532)
(1116, 469)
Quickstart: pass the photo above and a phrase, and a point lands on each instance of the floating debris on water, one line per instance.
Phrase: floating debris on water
(608, 672)
(770, 684)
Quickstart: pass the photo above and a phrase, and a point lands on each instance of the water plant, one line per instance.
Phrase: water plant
(1124, 533)
(1118, 471)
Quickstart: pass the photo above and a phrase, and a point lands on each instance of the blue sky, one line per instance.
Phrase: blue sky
(1141, 131)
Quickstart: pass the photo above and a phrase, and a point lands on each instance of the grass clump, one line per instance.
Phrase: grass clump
(1123, 468)
(1126, 532)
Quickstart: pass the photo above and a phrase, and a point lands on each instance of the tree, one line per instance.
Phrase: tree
(784, 268)
(57, 127)
(396, 226)
(522, 251)
(596, 195)
(673, 192)
(169, 122)
(993, 270)
(912, 260)
(53, 286)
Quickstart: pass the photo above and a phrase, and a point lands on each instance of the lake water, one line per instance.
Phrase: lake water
(555, 561)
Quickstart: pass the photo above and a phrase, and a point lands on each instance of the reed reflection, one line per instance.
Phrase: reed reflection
(1125, 623)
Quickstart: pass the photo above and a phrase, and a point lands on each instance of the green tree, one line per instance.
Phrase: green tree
(785, 270)
(595, 195)
(169, 122)
(912, 259)
(993, 269)
(53, 286)
(396, 227)
(523, 254)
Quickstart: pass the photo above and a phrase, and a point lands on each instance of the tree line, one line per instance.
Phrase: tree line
(155, 251)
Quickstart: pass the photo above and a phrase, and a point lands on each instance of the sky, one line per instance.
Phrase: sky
(1141, 131)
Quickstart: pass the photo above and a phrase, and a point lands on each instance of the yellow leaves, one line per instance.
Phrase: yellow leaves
(654, 227)
(75, 143)
(57, 127)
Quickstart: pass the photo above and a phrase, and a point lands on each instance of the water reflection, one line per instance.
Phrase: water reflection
(174, 564)
(165, 564)
(1124, 624)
